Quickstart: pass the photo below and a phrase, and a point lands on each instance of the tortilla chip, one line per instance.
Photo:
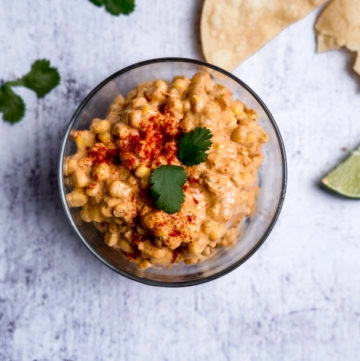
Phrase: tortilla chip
(339, 26)
(232, 30)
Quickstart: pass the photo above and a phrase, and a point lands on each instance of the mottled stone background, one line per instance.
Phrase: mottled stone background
(297, 298)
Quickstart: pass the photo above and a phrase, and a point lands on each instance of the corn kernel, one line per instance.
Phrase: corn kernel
(212, 229)
(157, 95)
(147, 110)
(111, 238)
(237, 135)
(154, 252)
(186, 105)
(180, 84)
(211, 109)
(113, 228)
(93, 189)
(118, 189)
(145, 264)
(76, 198)
(111, 202)
(84, 139)
(93, 213)
(250, 138)
(231, 120)
(197, 246)
(214, 211)
(80, 178)
(161, 85)
(68, 182)
(219, 147)
(263, 138)
(105, 137)
(224, 101)
(70, 165)
(206, 252)
(135, 118)
(117, 104)
(247, 178)
(101, 172)
(113, 117)
(120, 210)
(139, 102)
(85, 213)
(125, 246)
(121, 130)
(106, 211)
(238, 107)
(85, 163)
(142, 171)
(100, 126)
(197, 103)
(252, 114)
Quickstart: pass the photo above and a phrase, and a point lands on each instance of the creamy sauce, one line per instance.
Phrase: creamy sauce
(110, 172)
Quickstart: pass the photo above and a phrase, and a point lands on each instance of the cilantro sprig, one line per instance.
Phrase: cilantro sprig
(167, 181)
(193, 146)
(116, 7)
(41, 78)
(11, 105)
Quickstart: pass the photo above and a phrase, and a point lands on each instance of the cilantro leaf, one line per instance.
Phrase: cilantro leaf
(166, 187)
(97, 2)
(116, 7)
(11, 105)
(193, 146)
(42, 78)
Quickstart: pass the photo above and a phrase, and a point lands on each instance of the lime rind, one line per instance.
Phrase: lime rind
(344, 180)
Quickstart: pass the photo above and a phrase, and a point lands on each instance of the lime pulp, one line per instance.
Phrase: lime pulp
(345, 178)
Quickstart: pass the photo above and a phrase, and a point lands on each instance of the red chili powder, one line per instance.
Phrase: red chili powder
(157, 138)
(99, 153)
(175, 233)
(193, 179)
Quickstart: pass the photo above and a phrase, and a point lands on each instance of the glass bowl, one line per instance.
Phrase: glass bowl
(271, 176)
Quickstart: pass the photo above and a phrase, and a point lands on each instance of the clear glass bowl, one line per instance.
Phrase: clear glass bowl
(271, 177)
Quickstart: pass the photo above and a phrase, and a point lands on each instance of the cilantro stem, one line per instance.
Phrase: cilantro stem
(18, 82)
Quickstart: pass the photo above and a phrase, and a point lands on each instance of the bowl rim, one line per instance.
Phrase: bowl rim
(235, 264)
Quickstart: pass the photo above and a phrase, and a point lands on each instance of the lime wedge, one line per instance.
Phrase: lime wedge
(345, 178)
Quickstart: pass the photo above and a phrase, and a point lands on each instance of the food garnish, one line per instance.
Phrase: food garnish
(167, 180)
(193, 146)
(344, 180)
(166, 187)
(116, 7)
(42, 78)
